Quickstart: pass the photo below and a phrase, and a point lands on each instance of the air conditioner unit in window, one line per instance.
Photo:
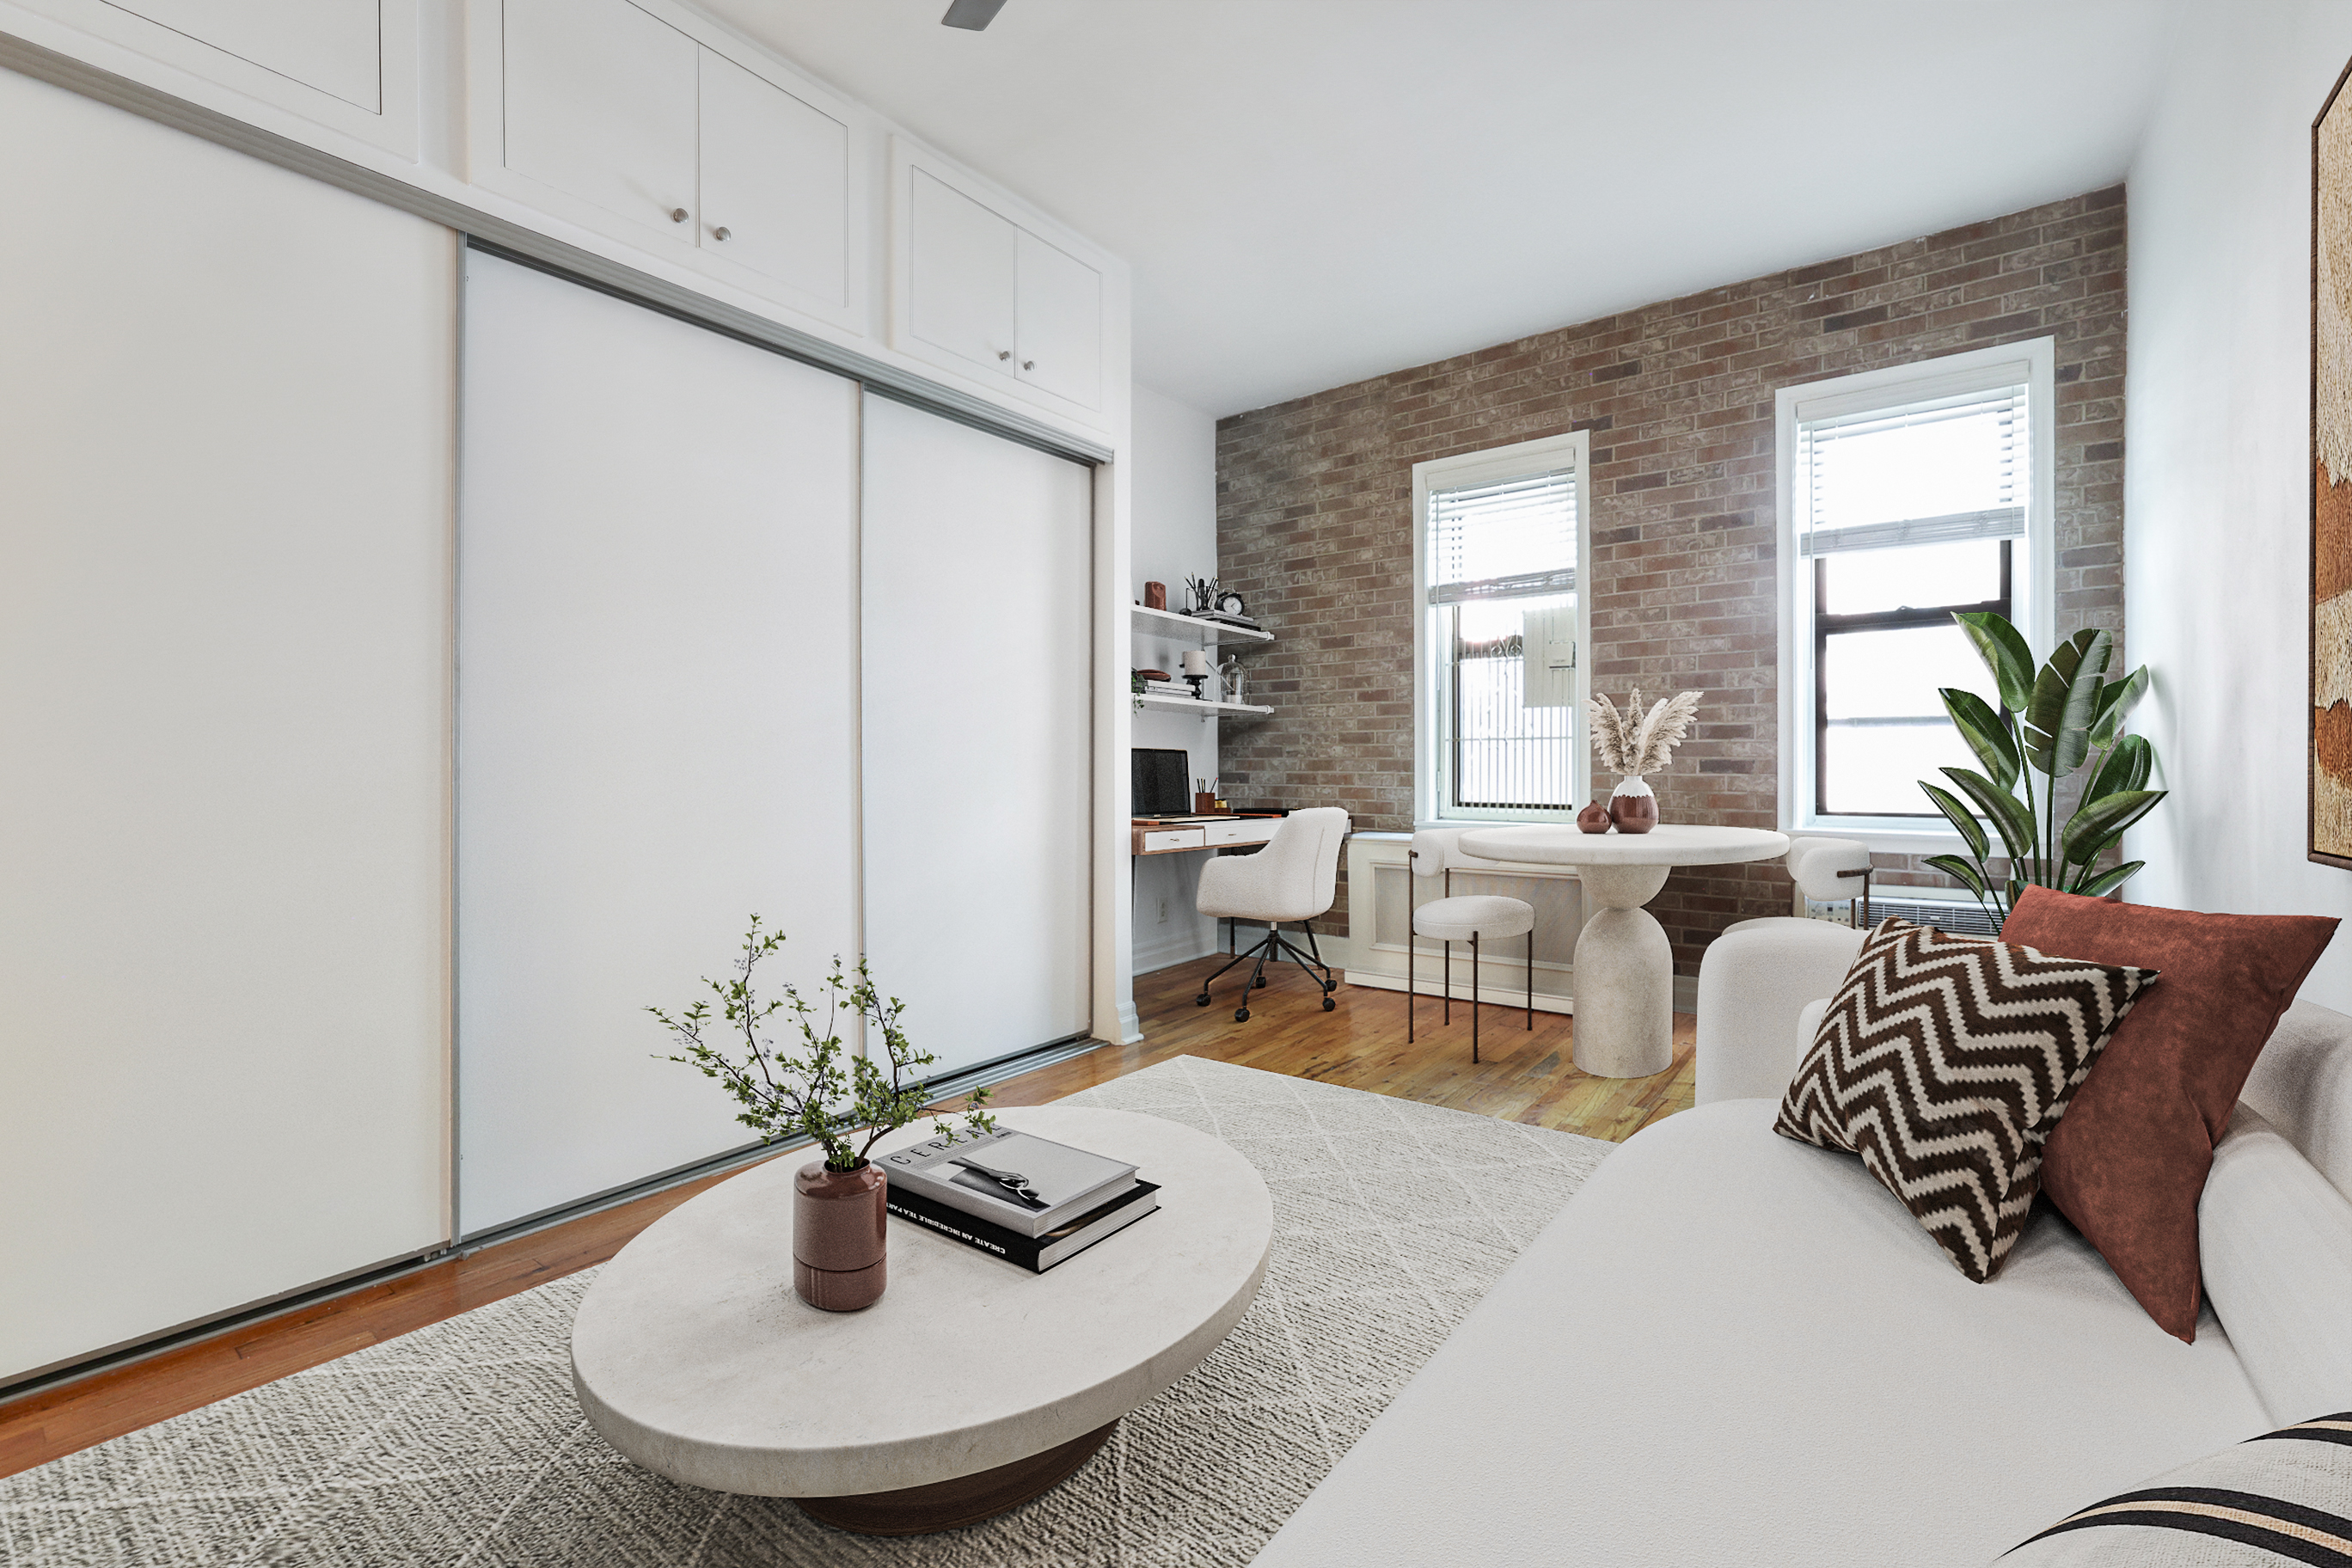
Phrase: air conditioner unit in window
(1946, 908)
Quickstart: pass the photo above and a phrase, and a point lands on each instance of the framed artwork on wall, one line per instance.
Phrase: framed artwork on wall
(2331, 480)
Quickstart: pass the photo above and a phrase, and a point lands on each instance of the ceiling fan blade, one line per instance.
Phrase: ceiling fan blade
(971, 15)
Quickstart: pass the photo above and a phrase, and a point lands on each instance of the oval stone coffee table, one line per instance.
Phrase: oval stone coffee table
(969, 1388)
(1623, 966)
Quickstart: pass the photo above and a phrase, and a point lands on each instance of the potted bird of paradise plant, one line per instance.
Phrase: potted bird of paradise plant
(2050, 723)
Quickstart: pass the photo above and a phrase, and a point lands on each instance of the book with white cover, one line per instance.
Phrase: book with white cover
(1026, 1183)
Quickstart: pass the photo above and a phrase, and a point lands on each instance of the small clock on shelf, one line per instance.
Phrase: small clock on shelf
(1230, 603)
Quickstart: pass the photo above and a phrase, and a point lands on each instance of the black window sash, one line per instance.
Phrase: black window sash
(1825, 626)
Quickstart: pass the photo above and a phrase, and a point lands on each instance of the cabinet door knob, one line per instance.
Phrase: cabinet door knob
(1028, 364)
(1005, 354)
(721, 233)
(677, 215)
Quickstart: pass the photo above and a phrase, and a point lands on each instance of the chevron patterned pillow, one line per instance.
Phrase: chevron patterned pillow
(1944, 1062)
(2284, 1497)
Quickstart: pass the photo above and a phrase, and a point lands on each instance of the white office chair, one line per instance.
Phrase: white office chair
(1292, 878)
(1437, 852)
(1829, 870)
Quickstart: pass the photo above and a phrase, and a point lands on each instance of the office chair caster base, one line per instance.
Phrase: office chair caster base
(1330, 1005)
(1201, 1000)
(1241, 1015)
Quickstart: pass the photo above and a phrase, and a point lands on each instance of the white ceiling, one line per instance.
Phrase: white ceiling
(1315, 191)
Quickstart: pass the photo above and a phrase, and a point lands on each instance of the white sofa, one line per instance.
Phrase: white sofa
(1733, 1349)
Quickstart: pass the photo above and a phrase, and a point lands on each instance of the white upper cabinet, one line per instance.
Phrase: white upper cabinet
(1059, 321)
(961, 274)
(983, 287)
(601, 104)
(330, 44)
(775, 181)
(711, 154)
(348, 65)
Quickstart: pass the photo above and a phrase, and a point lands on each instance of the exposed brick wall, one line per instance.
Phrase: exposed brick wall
(1315, 495)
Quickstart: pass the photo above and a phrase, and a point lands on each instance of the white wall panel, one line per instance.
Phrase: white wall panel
(978, 564)
(225, 424)
(2217, 482)
(655, 718)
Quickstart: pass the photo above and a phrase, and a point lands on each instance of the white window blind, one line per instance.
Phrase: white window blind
(1510, 539)
(1935, 472)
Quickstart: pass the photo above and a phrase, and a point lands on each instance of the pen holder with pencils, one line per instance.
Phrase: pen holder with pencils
(1206, 803)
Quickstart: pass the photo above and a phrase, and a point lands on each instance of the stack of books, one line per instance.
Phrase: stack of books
(1168, 688)
(1026, 1199)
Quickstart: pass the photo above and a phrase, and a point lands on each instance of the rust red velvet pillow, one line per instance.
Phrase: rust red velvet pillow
(2127, 1163)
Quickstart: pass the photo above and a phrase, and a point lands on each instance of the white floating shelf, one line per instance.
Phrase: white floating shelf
(1185, 628)
(1186, 705)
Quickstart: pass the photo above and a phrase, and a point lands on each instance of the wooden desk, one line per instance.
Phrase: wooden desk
(1183, 835)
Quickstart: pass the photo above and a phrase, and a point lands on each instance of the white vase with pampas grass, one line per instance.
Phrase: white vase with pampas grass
(1632, 743)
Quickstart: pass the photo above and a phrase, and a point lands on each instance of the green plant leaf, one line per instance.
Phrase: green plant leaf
(1962, 819)
(2101, 822)
(2116, 699)
(2106, 882)
(1960, 871)
(1987, 736)
(2057, 729)
(2127, 767)
(2011, 817)
(2004, 653)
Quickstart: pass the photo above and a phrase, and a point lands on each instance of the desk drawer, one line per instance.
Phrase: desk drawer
(1158, 840)
(1218, 833)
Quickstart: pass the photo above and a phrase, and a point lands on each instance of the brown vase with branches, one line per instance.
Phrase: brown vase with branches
(841, 1101)
(1634, 743)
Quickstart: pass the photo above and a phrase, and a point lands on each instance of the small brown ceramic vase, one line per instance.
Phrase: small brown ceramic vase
(839, 1221)
(1634, 808)
(1593, 818)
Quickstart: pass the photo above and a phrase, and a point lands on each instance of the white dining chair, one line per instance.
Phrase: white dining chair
(1829, 870)
(1292, 879)
(1470, 917)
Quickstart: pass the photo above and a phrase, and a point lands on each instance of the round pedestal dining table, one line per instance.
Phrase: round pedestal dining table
(1625, 967)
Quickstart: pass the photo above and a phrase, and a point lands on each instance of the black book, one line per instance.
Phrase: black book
(1035, 1253)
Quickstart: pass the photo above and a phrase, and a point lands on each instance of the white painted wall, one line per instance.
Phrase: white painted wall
(1175, 511)
(2217, 477)
(227, 422)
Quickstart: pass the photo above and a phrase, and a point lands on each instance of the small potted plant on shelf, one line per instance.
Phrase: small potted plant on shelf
(2049, 723)
(841, 1101)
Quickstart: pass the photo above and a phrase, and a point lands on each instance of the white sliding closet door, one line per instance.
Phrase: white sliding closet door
(226, 414)
(978, 608)
(656, 724)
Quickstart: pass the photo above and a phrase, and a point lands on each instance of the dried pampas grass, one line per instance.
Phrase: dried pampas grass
(1633, 742)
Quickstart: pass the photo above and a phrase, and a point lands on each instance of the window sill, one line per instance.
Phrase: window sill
(1886, 840)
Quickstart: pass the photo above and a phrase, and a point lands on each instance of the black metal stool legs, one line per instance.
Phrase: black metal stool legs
(1474, 999)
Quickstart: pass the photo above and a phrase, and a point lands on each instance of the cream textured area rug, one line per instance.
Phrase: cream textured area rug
(460, 1444)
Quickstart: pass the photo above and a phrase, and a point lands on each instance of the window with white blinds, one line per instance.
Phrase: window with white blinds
(1501, 539)
(1933, 472)
(1910, 495)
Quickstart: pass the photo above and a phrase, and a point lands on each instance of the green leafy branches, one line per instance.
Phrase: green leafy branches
(825, 1093)
(2050, 722)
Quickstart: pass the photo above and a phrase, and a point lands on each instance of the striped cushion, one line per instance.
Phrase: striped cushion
(2284, 1497)
(1944, 1062)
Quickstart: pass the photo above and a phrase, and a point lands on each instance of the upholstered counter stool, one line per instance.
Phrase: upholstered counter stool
(1437, 852)
(1829, 870)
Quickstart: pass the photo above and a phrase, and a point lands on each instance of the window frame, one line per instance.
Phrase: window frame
(2032, 578)
(1433, 682)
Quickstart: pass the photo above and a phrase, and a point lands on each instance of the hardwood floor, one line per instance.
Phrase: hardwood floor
(1523, 1076)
